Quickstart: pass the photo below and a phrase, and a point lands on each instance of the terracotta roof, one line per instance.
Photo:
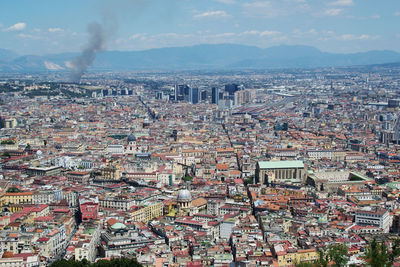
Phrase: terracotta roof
(199, 202)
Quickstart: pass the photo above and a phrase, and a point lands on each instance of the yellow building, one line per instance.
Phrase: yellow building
(291, 257)
(111, 172)
(17, 198)
(13, 207)
(146, 213)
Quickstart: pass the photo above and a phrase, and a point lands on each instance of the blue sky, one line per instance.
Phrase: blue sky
(53, 26)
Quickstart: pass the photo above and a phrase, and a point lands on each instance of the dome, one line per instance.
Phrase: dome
(131, 138)
(184, 195)
(118, 226)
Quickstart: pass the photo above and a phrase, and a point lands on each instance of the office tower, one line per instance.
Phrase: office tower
(243, 97)
(105, 92)
(220, 96)
(393, 103)
(114, 92)
(123, 91)
(203, 95)
(186, 90)
(159, 95)
(231, 88)
(194, 95)
(214, 95)
(396, 130)
(180, 90)
(130, 92)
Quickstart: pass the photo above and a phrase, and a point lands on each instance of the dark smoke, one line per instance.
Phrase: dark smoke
(100, 33)
(97, 41)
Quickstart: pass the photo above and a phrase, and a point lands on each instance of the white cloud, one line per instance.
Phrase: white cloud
(301, 34)
(263, 9)
(225, 34)
(52, 66)
(313, 31)
(333, 12)
(212, 14)
(252, 32)
(353, 37)
(55, 30)
(342, 3)
(250, 37)
(260, 33)
(69, 65)
(29, 36)
(138, 36)
(375, 16)
(328, 32)
(228, 2)
(16, 27)
(273, 9)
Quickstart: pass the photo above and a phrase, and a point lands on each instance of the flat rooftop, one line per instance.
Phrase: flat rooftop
(283, 164)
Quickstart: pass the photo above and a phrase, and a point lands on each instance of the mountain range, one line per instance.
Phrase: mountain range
(199, 57)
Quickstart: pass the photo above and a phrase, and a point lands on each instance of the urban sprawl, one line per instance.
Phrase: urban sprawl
(247, 168)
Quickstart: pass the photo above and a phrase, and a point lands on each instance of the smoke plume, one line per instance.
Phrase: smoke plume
(101, 33)
(97, 41)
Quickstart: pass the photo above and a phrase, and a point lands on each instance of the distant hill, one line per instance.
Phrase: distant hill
(7, 55)
(200, 57)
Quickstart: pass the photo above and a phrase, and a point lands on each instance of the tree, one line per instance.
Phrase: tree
(249, 180)
(13, 190)
(2, 123)
(378, 254)
(70, 263)
(8, 142)
(120, 262)
(187, 178)
(338, 254)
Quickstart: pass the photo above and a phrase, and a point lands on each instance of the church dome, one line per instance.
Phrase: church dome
(118, 226)
(131, 138)
(184, 195)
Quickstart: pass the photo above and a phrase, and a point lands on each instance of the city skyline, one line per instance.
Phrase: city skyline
(341, 26)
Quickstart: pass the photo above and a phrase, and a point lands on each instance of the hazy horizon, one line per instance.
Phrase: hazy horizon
(336, 26)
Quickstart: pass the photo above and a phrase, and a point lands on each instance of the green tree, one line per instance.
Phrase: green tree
(338, 254)
(378, 254)
(187, 178)
(2, 123)
(8, 142)
(70, 263)
(13, 190)
(120, 262)
(249, 180)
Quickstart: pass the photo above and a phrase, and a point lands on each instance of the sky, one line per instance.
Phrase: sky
(342, 26)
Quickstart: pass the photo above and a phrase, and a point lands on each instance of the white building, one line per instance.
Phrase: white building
(379, 218)
(116, 149)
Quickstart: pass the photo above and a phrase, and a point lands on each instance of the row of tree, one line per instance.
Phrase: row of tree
(377, 255)
(120, 262)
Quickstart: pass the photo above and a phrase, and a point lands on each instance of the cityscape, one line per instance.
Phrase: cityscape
(204, 154)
